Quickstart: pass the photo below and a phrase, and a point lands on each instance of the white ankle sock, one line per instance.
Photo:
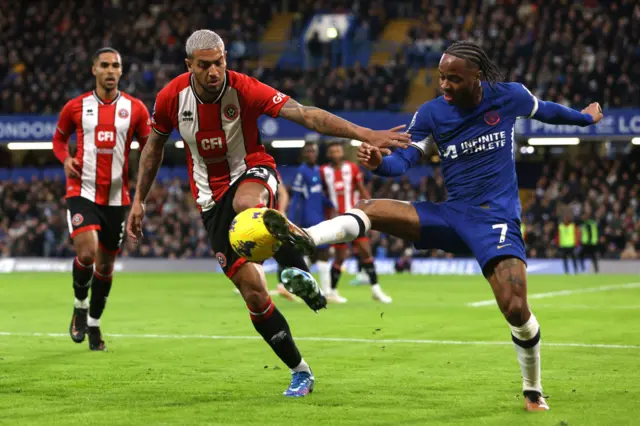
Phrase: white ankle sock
(324, 270)
(340, 229)
(81, 304)
(92, 322)
(528, 357)
(303, 366)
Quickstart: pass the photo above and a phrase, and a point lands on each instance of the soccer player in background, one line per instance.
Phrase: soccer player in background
(343, 182)
(310, 206)
(473, 127)
(105, 122)
(216, 112)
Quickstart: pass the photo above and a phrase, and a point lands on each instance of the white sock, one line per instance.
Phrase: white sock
(376, 288)
(303, 366)
(81, 304)
(92, 322)
(340, 229)
(528, 357)
(324, 270)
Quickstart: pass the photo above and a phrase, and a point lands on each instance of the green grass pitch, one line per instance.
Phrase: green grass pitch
(429, 358)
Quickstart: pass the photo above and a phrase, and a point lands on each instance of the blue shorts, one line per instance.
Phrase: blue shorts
(485, 232)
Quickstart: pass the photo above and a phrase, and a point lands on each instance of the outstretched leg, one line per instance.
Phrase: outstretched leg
(508, 279)
(392, 217)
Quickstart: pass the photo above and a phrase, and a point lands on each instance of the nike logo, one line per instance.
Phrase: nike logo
(502, 246)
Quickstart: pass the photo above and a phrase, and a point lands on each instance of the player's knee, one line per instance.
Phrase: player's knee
(515, 310)
(255, 298)
(87, 255)
(244, 202)
(104, 268)
(365, 205)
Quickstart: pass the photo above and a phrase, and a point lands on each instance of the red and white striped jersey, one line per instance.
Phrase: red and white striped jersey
(104, 131)
(341, 184)
(221, 138)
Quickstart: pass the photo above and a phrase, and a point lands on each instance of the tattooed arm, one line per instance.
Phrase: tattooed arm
(324, 122)
(150, 161)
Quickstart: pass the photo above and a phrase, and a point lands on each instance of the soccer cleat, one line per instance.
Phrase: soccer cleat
(534, 401)
(335, 297)
(286, 232)
(95, 339)
(303, 285)
(360, 279)
(380, 296)
(301, 384)
(78, 326)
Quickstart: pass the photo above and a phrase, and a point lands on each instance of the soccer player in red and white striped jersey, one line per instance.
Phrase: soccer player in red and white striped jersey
(343, 182)
(216, 112)
(105, 122)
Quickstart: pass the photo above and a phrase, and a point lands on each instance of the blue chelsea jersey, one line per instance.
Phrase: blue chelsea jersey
(308, 201)
(477, 146)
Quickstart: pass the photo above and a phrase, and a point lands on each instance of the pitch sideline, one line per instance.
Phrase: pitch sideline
(491, 302)
(327, 339)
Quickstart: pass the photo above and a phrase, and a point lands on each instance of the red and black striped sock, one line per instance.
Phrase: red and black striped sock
(81, 277)
(100, 288)
(274, 329)
(336, 271)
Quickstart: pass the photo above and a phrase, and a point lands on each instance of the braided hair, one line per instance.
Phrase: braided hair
(472, 52)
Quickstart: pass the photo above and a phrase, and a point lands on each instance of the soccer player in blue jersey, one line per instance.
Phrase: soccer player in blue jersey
(309, 206)
(472, 126)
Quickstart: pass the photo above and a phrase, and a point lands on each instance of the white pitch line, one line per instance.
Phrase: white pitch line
(327, 339)
(563, 293)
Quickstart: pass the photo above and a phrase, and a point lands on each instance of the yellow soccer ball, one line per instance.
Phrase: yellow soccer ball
(250, 238)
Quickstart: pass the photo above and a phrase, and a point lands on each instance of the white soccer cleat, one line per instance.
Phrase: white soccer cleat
(380, 296)
(335, 297)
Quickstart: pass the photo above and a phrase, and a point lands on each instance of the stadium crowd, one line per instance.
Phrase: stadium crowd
(33, 218)
(568, 52)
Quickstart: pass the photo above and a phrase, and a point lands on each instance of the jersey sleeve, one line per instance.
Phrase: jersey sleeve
(264, 98)
(65, 127)
(161, 120)
(143, 124)
(357, 174)
(420, 129)
(524, 102)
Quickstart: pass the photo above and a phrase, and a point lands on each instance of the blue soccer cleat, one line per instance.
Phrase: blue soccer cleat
(301, 384)
(303, 285)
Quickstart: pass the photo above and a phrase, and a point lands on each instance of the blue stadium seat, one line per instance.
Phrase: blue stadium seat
(5, 174)
(27, 173)
(53, 173)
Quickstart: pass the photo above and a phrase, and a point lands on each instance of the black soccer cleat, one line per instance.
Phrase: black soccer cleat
(78, 326)
(95, 339)
(285, 231)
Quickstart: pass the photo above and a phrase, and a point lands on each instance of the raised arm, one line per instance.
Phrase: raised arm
(324, 122)
(553, 113)
(528, 106)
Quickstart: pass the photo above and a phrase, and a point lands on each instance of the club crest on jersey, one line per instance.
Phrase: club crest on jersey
(492, 118)
(230, 111)
(77, 219)
(222, 259)
(123, 113)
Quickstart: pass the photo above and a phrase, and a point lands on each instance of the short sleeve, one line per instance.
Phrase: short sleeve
(525, 103)
(143, 126)
(161, 121)
(264, 98)
(420, 129)
(357, 173)
(66, 124)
